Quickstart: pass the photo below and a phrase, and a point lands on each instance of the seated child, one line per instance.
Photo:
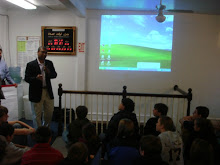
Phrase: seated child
(124, 149)
(26, 130)
(126, 109)
(12, 154)
(187, 122)
(74, 131)
(77, 155)
(172, 145)
(187, 125)
(201, 153)
(91, 139)
(203, 129)
(150, 151)
(21, 132)
(42, 152)
(160, 109)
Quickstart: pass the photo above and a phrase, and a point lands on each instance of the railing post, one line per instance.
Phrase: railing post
(189, 98)
(60, 128)
(124, 92)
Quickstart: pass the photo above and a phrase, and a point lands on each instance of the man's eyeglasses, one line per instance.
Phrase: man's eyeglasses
(44, 52)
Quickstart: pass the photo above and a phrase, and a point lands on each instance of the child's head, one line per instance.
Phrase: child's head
(201, 153)
(125, 128)
(203, 126)
(201, 112)
(7, 131)
(81, 112)
(43, 134)
(3, 114)
(127, 104)
(78, 152)
(165, 123)
(160, 109)
(150, 145)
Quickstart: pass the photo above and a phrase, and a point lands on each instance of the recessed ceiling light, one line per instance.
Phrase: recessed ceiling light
(22, 3)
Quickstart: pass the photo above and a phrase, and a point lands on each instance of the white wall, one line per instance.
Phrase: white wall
(70, 69)
(4, 44)
(195, 61)
(3, 11)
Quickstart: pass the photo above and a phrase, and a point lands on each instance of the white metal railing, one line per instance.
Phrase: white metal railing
(102, 106)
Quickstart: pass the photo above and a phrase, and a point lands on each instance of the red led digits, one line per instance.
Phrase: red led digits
(61, 42)
(59, 45)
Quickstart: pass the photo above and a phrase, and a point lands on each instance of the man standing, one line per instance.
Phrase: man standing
(38, 74)
(4, 72)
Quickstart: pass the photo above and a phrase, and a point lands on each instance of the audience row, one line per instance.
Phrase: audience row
(160, 144)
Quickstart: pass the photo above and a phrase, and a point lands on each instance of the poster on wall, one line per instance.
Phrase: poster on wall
(27, 47)
(81, 47)
(59, 40)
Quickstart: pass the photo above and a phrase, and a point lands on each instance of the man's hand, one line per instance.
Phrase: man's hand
(39, 77)
(46, 70)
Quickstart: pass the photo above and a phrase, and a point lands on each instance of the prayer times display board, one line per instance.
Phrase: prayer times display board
(59, 40)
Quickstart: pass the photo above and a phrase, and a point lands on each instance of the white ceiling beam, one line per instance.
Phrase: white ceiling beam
(76, 6)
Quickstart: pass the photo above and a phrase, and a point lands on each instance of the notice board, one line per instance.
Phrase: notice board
(27, 47)
(59, 40)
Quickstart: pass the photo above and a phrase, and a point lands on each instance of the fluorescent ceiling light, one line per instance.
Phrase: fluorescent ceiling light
(22, 3)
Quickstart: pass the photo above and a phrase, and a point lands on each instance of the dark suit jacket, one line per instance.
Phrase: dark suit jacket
(35, 85)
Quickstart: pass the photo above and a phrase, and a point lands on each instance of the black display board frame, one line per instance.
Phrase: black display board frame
(59, 40)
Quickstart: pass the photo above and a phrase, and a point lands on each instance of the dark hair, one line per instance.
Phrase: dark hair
(88, 131)
(201, 153)
(6, 129)
(91, 138)
(162, 108)
(204, 124)
(128, 104)
(2, 149)
(41, 47)
(0, 49)
(78, 152)
(125, 128)
(3, 111)
(150, 145)
(81, 112)
(206, 130)
(167, 122)
(203, 111)
(43, 134)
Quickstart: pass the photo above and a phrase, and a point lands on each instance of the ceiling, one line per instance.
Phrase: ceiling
(80, 6)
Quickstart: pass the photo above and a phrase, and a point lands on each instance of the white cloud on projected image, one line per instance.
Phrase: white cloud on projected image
(139, 30)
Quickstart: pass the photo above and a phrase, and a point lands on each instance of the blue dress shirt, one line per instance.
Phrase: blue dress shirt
(4, 72)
